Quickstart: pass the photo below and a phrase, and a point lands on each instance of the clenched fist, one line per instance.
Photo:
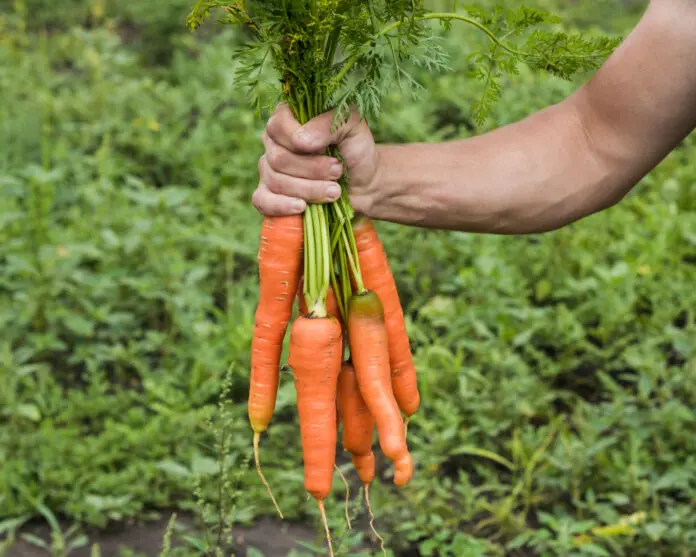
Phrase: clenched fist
(295, 170)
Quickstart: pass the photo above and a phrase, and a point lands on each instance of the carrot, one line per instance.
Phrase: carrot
(358, 431)
(338, 470)
(280, 261)
(369, 348)
(358, 424)
(316, 346)
(378, 277)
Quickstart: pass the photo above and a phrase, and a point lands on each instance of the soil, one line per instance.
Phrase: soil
(271, 537)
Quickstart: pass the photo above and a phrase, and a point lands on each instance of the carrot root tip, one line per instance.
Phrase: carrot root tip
(257, 438)
(403, 470)
(372, 519)
(350, 527)
(406, 422)
(322, 510)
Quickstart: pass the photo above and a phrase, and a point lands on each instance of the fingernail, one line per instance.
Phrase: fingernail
(305, 137)
(337, 170)
(298, 206)
(333, 192)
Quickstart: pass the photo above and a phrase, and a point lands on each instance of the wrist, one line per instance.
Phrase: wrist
(395, 191)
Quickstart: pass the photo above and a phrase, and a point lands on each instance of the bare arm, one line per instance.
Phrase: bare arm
(557, 166)
(565, 162)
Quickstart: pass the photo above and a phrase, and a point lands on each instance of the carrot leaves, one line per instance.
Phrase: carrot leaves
(353, 53)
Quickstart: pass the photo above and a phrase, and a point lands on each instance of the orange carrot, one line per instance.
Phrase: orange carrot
(338, 470)
(378, 277)
(369, 348)
(316, 350)
(358, 424)
(358, 432)
(280, 262)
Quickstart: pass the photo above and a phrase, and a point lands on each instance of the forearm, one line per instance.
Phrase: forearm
(566, 162)
(531, 176)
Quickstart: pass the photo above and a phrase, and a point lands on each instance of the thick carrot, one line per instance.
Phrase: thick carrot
(378, 277)
(280, 261)
(316, 350)
(369, 349)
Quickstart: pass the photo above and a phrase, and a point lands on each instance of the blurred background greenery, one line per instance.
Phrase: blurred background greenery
(558, 372)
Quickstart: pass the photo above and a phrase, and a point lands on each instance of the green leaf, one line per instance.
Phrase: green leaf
(655, 530)
(78, 324)
(29, 411)
(543, 289)
(173, 468)
(474, 451)
(203, 465)
(35, 540)
(594, 549)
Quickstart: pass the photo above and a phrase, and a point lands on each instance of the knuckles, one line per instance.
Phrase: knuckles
(257, 199)
(275, 155)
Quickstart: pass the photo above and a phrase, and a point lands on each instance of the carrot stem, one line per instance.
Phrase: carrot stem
(326, 251)
(353, 264)
(326, 527)
(310, 277)
(339, 298)
(350, 527)
(257, 437)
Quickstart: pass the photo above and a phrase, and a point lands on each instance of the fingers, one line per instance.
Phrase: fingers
(311, 167)
(315, 136)
(270, 204)
(295, 171)
(310, 191)
(281, 194)
(282, 126)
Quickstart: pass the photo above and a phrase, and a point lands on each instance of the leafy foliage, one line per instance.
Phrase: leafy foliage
(354, 53)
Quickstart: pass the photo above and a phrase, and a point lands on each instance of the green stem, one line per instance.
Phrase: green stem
(338, 292)
(310, 256)
(353, 261)
(346, 287)
(459, 17)
(325, 251)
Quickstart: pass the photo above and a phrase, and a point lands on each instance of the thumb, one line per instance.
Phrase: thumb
(316, 135)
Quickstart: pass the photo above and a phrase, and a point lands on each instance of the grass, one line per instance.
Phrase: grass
(558, 372)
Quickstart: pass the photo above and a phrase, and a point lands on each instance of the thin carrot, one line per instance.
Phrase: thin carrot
(358, 433)
(338, 470)
(378, 277)
(369, 348)
(280, 261)
(358, 424)
(315, 358)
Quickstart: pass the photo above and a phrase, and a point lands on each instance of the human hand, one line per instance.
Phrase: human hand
(295, 170)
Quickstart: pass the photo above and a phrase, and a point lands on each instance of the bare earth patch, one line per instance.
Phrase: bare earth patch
(271, 537)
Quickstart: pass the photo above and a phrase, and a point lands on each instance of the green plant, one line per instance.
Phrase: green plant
(127, 288)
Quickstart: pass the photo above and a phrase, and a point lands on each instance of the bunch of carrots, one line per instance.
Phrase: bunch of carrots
(349, 351)
(352, 363)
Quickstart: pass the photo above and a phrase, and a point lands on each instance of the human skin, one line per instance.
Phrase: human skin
(555, 167)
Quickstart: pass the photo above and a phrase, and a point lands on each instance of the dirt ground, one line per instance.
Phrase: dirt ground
(272, 538)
